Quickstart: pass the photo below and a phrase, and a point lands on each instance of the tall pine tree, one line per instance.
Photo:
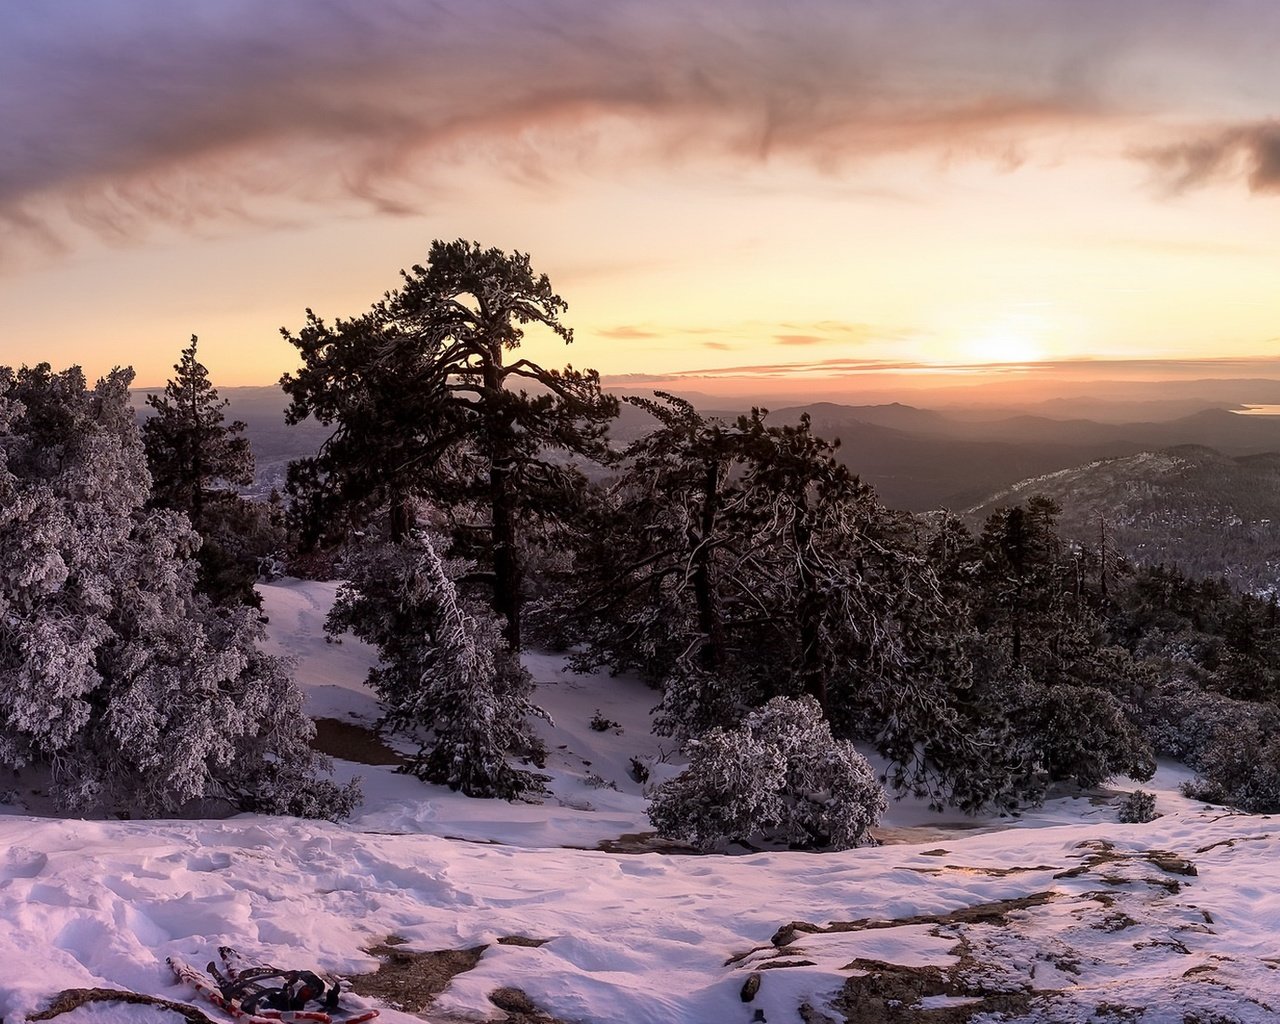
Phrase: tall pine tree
(427, 404)
(197, 460)
(194, 455)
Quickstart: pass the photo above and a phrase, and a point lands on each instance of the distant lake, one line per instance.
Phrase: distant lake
(1258, 410)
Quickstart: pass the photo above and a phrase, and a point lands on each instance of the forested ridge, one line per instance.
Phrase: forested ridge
(1190, 506)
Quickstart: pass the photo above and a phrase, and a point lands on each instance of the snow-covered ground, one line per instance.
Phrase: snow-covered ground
(1078, 917)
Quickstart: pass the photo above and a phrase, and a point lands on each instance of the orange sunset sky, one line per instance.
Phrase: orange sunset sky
(782, 190)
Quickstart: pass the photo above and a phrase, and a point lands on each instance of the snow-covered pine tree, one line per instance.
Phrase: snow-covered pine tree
(779, 776)
(114, 671)
(446, 673)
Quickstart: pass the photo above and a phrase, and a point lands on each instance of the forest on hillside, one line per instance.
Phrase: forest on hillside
(780, 610)
(1191, 506)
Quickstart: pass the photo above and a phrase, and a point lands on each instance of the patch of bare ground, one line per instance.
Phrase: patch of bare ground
(1103, 853)
(519, 1008)
(646, 842)
(884, 993)
(410, 981)
(1229, 843)
(1001, 946)
(894, 835)
(350, 741)
(985, 872)
(69, 999)
(995, 912)
(521, 940)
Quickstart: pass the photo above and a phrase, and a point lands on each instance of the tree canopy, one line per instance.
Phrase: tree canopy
(427, 406)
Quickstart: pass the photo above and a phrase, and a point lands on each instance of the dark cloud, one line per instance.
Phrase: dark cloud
(1250, 152)
(116, 114)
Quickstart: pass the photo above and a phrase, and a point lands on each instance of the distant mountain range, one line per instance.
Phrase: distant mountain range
(1200, 488)
(921, 459)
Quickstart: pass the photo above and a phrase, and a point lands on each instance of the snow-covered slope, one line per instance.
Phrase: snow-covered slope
(1077, 919)
(646, 938)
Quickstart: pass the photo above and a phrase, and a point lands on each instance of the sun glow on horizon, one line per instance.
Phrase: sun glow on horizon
(1003, 346)
(1023, 333)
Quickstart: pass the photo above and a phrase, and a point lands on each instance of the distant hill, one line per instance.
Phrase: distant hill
(1188, 505)
(924, 459)
(921, 460)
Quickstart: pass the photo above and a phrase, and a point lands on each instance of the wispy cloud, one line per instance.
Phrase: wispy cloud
(799, 339)
(1242, 368)
(626, 331)
(1250, 152)
(118, 115)
(787, 332)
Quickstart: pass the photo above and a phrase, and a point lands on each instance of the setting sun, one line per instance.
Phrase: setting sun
(1002, 346)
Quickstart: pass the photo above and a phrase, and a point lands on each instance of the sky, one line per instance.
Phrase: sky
(757, 191)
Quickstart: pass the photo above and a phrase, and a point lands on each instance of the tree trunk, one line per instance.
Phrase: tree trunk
(402, 521)
(507, 576)
(506, 565)
(197, 459)
(711, 655)
(813, 675)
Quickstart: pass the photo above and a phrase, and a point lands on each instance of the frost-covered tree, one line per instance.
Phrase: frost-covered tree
(446, 674)
(779, 776)
(733, 563)
(425, 402)
(1240, 768)
(115, 672)
(197, 460)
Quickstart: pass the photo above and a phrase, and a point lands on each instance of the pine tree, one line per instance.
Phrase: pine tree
(645, 589)
(115, 672)
(197, 460)
(425, 404)
(1059, 674)
(445, 672)
(735, 563)
(194, 455)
